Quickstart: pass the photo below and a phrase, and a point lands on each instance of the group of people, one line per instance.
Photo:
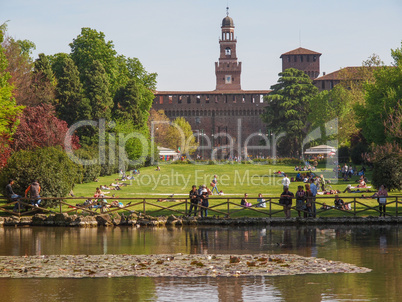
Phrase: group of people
(199, 199)
(261, 202)
(32, 191)
(305, 199)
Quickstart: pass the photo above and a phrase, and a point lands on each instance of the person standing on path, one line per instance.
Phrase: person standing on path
(285, 182)
(286, 201)
(193, 195)
(214, 185)
(382, 195)
(313, 189)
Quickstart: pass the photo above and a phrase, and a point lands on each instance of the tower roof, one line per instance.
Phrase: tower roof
(227, 22)
(301, 51)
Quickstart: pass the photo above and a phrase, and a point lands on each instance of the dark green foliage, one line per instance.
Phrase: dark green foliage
(357, 151)
(344, 154)
(55, 172)
(96, 88)
(88, 173)
(42, 65)
(71, 107)
(126, 104)
(382, 99)
(288, 106)
(388, 172)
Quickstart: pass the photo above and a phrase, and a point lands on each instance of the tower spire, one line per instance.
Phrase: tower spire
(227, 10)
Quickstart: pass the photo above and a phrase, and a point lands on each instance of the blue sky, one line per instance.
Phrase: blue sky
(178, 39)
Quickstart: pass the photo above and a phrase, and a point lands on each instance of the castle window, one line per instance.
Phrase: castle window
(301, 58)
(314, 58)
(308, 58)
(170, 99)
(198, 99)
(288, 57)
(207, 100)
(331, 84)
(228, 51)
(179, 100)
(295, 58)
(161, 99)
(323, 84)
(188, 99)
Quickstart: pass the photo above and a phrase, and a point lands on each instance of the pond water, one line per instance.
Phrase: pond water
(377, 248)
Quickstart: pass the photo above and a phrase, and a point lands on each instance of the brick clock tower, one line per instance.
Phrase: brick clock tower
(227, 70)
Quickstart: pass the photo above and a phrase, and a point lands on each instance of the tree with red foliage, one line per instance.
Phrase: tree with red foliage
(39, 127)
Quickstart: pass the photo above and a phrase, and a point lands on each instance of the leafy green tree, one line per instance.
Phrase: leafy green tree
(288, 106)
(97, 91)
(126, 104)
(9, 111)
(44, 81)
(71, 105)
(180, 137)
(91, 46)
(381, 101)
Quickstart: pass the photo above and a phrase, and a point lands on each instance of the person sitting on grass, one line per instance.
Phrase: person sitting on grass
(244, 201)
(261, 202)
(339, 203)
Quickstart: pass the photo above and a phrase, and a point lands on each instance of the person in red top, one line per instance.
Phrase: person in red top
(33, 190)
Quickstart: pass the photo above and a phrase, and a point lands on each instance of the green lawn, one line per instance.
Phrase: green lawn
(233, 179)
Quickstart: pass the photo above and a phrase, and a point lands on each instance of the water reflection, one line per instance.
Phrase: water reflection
(374, 247)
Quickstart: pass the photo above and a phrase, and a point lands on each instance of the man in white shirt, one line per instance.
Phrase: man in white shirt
(285, 182)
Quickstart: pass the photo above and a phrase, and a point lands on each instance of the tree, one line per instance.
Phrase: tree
(126, 104)
(160, 123)
(9, 111)
(44, 82)
(381, 100)
(288, 106)
(40, 128)
(97, 91)
(180, 137)
(91, 46)
(20, 66)
(53, 169)
(71, 105)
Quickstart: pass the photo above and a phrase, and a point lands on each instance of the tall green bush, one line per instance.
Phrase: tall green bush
(388, 171)
(51, 167)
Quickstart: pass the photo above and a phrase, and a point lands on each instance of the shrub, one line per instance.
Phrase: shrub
(388, 171)
(87, 173)
(55, 172)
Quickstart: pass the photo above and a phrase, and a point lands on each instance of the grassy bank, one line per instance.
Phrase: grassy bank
(233, 179)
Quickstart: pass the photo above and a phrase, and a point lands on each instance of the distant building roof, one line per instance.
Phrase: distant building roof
(301, 51)
(334, 76)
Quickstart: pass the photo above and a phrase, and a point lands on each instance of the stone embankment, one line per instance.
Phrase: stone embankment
(138, 219)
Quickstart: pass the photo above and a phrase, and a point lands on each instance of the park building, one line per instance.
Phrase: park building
(229, 118)
(226, 116)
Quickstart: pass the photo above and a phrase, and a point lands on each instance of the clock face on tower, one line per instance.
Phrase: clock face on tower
(228, 79)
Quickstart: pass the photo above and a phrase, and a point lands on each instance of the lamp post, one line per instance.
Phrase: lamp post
(202, 138)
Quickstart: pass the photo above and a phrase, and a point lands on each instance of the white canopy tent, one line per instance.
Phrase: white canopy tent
(321, 149)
